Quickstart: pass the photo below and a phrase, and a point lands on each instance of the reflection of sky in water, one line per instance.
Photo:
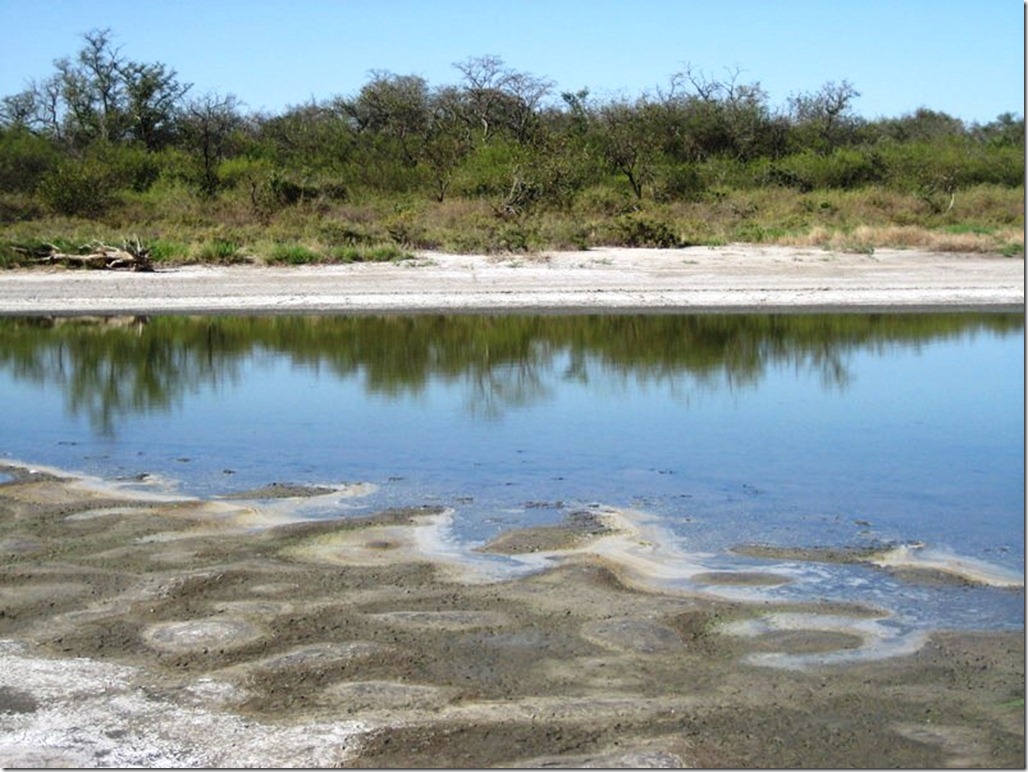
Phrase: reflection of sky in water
(922, 443)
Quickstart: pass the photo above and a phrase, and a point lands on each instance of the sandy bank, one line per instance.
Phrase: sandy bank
(729, 278)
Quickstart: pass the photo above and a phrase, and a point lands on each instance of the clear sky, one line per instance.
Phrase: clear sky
(963, 57)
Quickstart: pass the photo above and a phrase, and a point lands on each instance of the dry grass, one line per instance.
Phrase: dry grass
(867, 237)
(982, 219)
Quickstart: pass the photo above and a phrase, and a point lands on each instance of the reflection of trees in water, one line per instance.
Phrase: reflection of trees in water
(123, 366)
(127, 366)
(511, 384)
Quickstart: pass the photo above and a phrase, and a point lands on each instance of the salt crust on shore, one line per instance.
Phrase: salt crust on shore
(92, 713)
(732, 277)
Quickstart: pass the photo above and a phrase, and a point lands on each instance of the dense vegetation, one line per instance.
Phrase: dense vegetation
(109, 149)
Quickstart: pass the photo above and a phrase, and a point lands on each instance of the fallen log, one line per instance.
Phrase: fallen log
(132, 257)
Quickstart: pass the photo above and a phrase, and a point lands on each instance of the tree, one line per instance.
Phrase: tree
(394, 106)
(497, 98)
(152, 100)
(921, 125)
(577, 109)
(208, 125)
(828, 112)
(1007, 129)
(100, 96)
(447, 140)
(18, 110)
(703, 117)
(311, 136)
(38, 109)
(626, 143)
(93, 90)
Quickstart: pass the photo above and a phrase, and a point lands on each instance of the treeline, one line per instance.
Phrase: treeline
(109, 139)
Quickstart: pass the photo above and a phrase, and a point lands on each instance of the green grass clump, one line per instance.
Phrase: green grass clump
(168, 251)
(293, 254)
(967, 228)
(384, 253)
(220, 251)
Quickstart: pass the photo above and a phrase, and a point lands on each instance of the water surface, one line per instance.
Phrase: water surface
(789, 430)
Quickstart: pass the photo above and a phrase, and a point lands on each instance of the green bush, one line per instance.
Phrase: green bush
(951, 164)
(843, 168)
(638, 230)
(24, 160)
(487, 171)
(512, 238)
(15, 207)
(131, 166)
(680, 183)
(79, 188)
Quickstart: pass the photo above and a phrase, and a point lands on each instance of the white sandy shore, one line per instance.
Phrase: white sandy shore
(729, 278)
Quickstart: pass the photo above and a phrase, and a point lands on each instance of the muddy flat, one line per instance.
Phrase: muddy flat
(151, 630)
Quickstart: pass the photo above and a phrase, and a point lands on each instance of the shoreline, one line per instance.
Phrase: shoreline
(731, 279)
(142, 629)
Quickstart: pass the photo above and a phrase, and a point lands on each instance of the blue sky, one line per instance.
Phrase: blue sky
(964, 57)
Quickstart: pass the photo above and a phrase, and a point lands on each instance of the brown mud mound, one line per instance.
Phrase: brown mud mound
(138, 631)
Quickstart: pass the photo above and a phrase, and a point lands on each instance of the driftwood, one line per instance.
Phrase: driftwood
(133, 257)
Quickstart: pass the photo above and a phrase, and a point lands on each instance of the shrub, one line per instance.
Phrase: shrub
(487, 171)
(604, 200)
(637, 230)
(133, 167)
(843, 168)
(405, 228)
(682, 183)
(79, 188)
(337, 232)
(24, 160)
(511, 238)
(952, 164)
(19, 206)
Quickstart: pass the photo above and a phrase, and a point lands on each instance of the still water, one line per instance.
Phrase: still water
(792, 430)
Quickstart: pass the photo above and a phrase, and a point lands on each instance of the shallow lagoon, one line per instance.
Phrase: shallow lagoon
(792, 431)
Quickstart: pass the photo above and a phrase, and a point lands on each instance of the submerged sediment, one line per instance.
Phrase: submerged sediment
(157, 630)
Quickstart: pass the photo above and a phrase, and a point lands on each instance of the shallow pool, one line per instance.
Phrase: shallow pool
(800, 431)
